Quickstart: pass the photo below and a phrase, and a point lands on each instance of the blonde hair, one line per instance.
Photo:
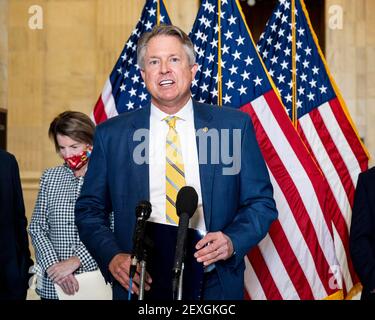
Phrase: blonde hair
(164, 30)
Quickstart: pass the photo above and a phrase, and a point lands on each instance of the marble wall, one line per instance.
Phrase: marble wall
(350, 53)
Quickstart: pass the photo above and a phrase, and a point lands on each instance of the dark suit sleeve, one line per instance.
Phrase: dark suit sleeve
(93, 208)
(257, 208)
(20, 222)
(15, 270)
(362, 233)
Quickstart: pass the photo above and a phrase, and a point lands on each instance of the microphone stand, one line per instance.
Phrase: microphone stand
(142, 212)
(180, 283)
(186, 205)
(142, 276)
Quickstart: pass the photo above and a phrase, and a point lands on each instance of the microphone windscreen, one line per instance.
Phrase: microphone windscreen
(143, 209)
(187, 201)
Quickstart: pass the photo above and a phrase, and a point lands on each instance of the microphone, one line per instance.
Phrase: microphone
(142, 212)
(186, 204)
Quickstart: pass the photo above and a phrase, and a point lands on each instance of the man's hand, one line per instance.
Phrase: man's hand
(69, 284)
(213, 247)
(119, 267)
(60, 270)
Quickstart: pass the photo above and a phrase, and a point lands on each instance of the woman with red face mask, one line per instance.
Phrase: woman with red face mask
(60, 254)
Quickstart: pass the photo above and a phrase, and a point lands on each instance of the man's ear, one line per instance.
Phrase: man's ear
(193, 70)
(143, 74)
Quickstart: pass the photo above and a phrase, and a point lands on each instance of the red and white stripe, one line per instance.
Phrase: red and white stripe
(332, 140)
(105, 107)
(296, 259)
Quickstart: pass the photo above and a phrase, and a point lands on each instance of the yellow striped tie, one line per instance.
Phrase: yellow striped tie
(174, 170)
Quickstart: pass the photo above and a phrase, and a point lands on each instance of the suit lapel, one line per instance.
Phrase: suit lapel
(203, 123)
(141, 171)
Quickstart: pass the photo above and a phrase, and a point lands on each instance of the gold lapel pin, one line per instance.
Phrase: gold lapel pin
(205, 129)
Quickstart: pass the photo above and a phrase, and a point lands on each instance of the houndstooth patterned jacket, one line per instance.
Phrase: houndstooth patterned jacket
(52, 228)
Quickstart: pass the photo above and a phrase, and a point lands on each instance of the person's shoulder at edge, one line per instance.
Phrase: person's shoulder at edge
(371, 171)
(368, 173)
(6, 156)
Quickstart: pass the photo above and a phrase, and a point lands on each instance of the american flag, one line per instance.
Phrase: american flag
(296, 259)
(319, 113)
(125, 90)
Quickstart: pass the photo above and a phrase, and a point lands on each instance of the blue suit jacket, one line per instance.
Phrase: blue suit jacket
(240, 205)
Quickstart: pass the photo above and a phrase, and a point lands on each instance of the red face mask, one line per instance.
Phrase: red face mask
(78, 161)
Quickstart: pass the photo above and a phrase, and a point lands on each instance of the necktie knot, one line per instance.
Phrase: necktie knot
(171, 121)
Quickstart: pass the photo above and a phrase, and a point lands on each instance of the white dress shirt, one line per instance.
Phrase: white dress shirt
(158, 133)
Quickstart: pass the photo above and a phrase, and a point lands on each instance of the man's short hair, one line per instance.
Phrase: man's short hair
(165, 30)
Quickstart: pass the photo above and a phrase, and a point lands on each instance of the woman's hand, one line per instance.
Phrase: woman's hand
(69, 284)
(60, 270)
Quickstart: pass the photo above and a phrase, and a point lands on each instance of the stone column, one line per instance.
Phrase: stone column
(350, 53)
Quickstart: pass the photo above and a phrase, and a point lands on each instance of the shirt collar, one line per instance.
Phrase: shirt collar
(185, 113)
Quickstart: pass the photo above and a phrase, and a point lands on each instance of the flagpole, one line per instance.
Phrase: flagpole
(158, 13)
(219, 84)
(294, 65)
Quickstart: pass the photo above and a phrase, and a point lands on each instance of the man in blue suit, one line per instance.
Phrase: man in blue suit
(128, 164)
